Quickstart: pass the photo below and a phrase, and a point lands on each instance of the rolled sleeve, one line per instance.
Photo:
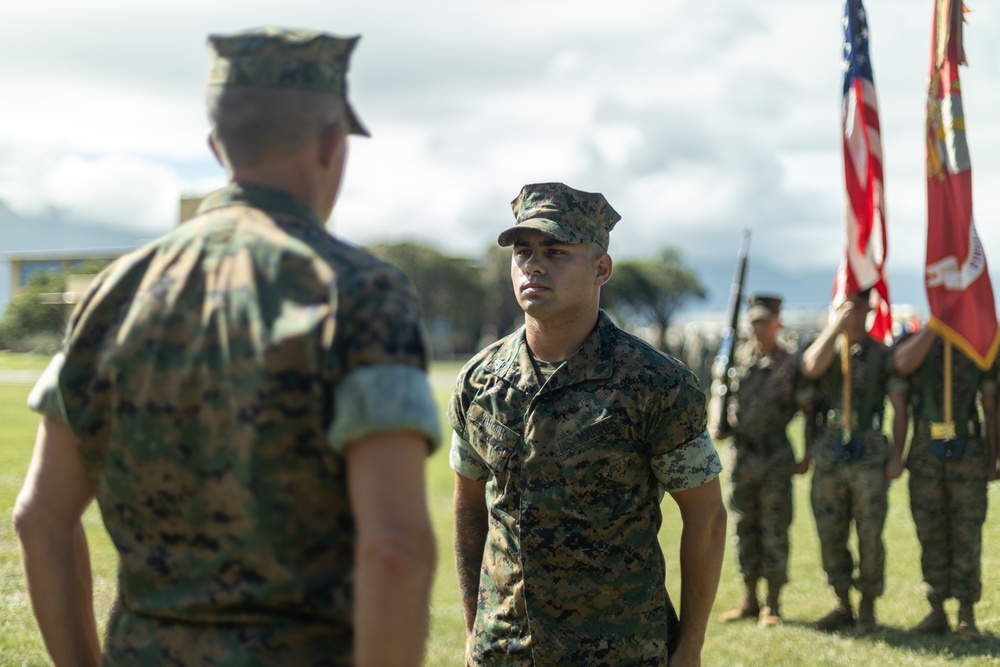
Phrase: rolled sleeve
(466, 461)
(45, 397)
(388, 397)
(692, 464)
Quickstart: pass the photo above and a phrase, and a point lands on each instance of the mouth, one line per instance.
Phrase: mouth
(533, 288)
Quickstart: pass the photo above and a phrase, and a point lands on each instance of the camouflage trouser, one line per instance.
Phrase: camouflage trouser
(948, 501)
(761, 507)
(842, 492)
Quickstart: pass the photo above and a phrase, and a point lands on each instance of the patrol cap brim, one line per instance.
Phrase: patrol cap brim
(355, 123)
(558, 231)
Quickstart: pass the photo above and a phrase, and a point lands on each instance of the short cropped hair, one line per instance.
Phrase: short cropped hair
(596, 250)
(252, 125)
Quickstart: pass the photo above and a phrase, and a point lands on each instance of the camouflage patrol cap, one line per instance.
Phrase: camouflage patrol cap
(764, 306)
(283, 58)
(565, 214)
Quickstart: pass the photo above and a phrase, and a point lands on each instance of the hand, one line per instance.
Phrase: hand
(893, 468)
(842, 314)
(802, 467)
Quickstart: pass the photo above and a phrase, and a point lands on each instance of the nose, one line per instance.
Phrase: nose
(532, 265)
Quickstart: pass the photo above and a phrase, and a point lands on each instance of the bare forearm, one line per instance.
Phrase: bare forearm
(57, 569)
(392, 600)
(470, 541)
(396, 553)
(900, 423)
(909, 354)
(703, 543)
(818, 356)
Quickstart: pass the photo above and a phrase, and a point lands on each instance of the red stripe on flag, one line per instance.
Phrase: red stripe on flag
(957, 277)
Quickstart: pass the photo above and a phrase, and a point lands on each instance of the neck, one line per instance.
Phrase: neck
(556, 341)
(289, 176)
(764, 348)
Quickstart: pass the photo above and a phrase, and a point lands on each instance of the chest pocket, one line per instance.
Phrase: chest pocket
(605, 428)
(493, 441)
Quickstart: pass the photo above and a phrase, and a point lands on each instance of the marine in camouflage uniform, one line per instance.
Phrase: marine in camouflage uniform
(567, 459)
(853, 465)
(214, 382)
(764, 391)
(948, 478)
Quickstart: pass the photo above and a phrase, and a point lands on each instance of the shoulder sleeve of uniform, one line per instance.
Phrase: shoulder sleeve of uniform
(461, 397)
(675, 413)
(387, 397)
(378, 321)
(690, 465)
(59, 392)
(45, 397)
(466, 461)
(381, 347)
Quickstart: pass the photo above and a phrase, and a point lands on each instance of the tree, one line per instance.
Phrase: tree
(26, 316)
(451, 293)
(649, 292)
(503, 314)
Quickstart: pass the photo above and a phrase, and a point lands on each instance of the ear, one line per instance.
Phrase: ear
(213, 146)
(331, 138)
(603, 266)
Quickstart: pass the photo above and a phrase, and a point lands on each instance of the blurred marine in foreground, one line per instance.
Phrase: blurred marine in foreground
(246, 398)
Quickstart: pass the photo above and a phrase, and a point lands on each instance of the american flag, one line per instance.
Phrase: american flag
(863, 266)
(957, 278)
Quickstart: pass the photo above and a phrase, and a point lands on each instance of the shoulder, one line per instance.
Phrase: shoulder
(641, 364)
(484, 362)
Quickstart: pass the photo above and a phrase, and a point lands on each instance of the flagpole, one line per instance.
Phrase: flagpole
(948, 419)
(845, 388)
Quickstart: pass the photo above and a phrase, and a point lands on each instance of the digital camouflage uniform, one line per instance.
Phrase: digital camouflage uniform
(763, 401)
(575, 469)
(856, 490)
(212, 380)
(948, 495)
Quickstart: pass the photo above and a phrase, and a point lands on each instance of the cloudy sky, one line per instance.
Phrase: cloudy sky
(695, 119)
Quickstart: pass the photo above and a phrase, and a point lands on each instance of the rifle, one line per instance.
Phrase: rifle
(724, 359)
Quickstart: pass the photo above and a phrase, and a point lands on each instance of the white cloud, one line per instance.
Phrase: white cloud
(118, 191)
(702, 117)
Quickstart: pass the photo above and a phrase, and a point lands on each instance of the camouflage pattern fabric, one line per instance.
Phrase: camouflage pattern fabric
(277, 57)
(212, 380)
(948, 498)
(840, 494)
(565, 214)
(763, 402)
(843, 492)
(572, 571)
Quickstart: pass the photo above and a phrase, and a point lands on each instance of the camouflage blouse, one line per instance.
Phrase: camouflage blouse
(765, 390)
(573, 573)
(212, 379)
(969, 386)
(872, 379)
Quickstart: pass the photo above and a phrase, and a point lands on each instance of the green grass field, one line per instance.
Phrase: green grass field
(793, 643)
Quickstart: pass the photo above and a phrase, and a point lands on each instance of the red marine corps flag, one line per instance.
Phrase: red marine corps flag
(958, 283)
(863, 265)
